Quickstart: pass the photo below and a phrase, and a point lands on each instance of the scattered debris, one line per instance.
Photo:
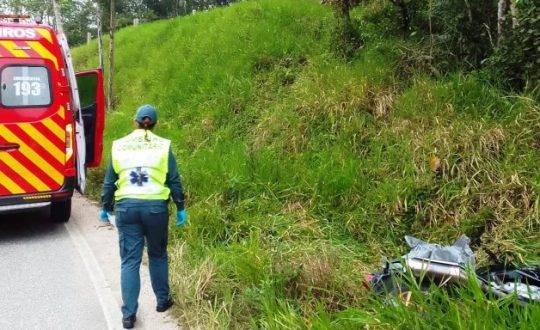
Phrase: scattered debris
(434, 163)
(433, 263)
(505, 280)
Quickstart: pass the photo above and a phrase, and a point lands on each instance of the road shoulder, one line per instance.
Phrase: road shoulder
(98, 245)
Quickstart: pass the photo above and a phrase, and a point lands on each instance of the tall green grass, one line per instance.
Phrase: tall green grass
(302, 170)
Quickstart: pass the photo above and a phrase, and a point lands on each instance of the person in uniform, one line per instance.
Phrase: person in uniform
(140, 179)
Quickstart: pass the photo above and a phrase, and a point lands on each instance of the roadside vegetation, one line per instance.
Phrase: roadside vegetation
(304, 166)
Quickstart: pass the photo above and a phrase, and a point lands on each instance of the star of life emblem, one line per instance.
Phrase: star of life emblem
(138, 177)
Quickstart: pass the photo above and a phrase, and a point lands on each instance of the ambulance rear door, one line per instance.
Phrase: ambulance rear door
(91, 95)
(32, 122)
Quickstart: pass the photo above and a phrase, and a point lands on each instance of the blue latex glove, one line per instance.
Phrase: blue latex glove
(103, 216)
(181, 217)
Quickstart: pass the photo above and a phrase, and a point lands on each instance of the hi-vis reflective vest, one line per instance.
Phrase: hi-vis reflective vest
(141, 164)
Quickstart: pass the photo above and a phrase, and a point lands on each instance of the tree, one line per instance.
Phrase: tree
(404, 12)
(504, 8)
(42, 8)
(515, 62)
(77, 15)
(99, 35)
(348, 38)
(112, 27)
(78, 19)
(343, 6)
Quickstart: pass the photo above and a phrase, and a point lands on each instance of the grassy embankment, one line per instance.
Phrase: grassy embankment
(302, 170)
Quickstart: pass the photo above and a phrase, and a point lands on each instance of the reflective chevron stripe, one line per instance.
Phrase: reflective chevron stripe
(24, 49)
(14, 49)
(50, 147)
(55, 129)
(43, 52)
(38, 164)
(28, 176)
(7, 184)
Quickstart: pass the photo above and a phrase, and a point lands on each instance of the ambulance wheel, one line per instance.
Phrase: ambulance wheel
(61, 211)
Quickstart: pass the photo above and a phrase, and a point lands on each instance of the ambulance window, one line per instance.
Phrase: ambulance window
(25, 86)
(87, 89)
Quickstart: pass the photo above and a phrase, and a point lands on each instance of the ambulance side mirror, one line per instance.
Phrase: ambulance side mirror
(92, 97)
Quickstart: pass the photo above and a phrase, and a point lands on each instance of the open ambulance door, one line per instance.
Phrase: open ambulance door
(92, 99)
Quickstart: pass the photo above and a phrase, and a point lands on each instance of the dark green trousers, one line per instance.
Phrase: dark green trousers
(136, 221)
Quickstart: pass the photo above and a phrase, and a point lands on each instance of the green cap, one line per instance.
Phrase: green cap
(146, 111)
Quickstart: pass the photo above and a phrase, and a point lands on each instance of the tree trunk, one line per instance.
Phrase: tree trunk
(514, 12)
(346, 9)
(469, 12)
(99, 36)
(502, 10)
(404, 12)
(112, 26)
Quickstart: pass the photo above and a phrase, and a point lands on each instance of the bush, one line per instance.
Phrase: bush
(516, 62)
(462, 35)
(348, 38)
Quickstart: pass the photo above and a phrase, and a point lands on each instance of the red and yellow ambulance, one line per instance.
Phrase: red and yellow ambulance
(51, 126)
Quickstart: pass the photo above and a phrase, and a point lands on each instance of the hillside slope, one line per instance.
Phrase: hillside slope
(302, 170)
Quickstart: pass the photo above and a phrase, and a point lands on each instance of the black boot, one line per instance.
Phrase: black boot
(129, 322)
(163, 307)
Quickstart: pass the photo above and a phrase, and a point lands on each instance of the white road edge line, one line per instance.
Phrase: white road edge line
(108, 303)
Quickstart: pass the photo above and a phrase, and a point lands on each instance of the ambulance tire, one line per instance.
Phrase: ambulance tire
(61, 211)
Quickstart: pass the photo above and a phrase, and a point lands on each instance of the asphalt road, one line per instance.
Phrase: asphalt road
(66, 276)
(44, 283)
